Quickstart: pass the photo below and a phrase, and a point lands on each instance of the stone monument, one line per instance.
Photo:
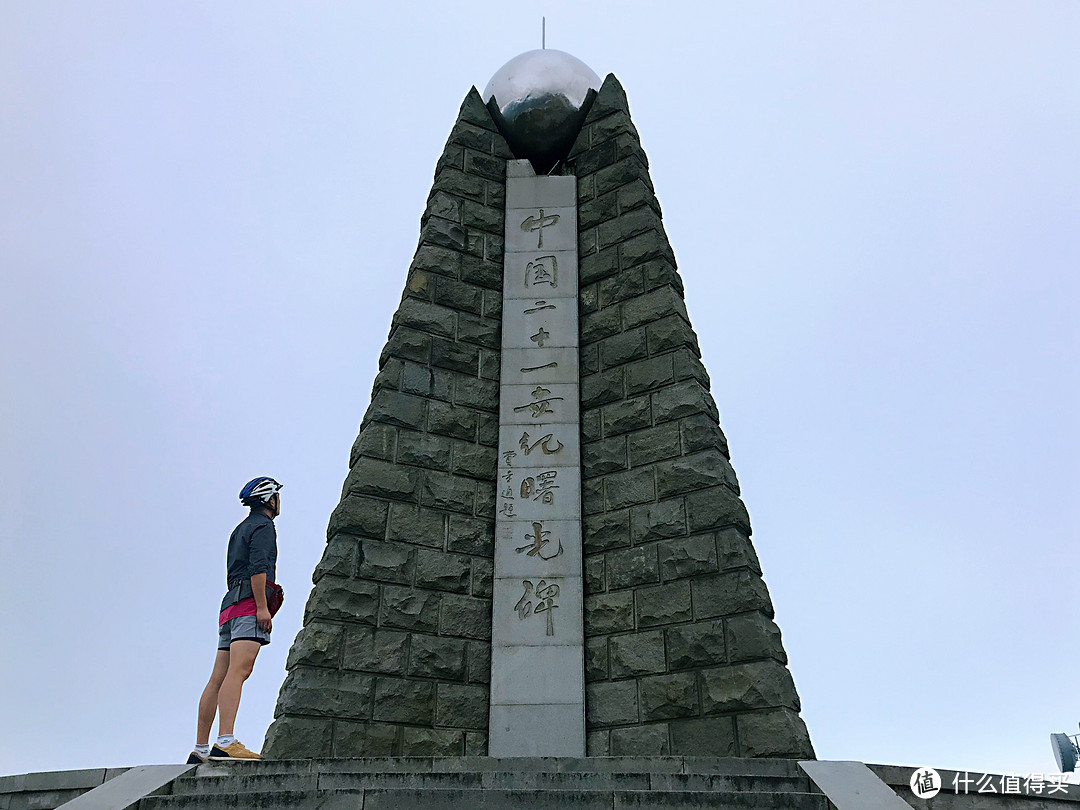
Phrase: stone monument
(540, 548)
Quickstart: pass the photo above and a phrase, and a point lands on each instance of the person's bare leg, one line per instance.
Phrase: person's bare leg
(209, 701)
(241, 660)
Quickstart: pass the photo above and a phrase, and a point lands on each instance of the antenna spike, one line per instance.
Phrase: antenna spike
(543, 33)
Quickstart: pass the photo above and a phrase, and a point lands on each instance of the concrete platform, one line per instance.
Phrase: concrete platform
(528, 783)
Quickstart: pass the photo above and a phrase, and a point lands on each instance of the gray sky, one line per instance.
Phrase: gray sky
(207, 211)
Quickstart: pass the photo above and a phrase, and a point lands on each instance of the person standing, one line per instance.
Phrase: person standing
(245, 620)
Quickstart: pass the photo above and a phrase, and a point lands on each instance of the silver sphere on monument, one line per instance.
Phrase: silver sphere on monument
(539, 100)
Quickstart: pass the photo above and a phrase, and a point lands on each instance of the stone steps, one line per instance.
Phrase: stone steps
(482, 783)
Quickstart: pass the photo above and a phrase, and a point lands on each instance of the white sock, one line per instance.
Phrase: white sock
(225, 739)
(202, 750)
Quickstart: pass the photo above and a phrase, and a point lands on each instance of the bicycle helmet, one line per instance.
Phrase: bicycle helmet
(258, 491)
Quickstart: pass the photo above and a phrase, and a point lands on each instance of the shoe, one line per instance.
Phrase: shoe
(194, 758)
(234, 750)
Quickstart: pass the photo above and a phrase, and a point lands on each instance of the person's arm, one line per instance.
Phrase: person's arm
(262, 612)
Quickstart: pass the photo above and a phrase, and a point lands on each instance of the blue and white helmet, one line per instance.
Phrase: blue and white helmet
(259, 490)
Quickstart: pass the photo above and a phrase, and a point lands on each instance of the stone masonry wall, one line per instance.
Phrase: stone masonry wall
(682, 656)
(394, 655)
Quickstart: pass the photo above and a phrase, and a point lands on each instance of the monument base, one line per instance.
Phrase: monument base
(524, 783)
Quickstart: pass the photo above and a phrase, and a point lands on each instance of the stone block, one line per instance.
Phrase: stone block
(479, 659)
(640, 741)
(599, 265)
(654, 306)
(382, 480)
(487, 429)
(663, 604)
(715, 508)
(362, 740)
(326, 693)
(442, 571)
(702, 432)
(605, 531)
(436, 657)
(629, 224)
(687, 557)
(630, 414)
(671, 332)
(706, 737)
(416, 525)
(423, 450)
(682, 400)
(621, 286)
(734, 550)
(481, 331)
(425, 317)
(473, 392)
(456, 294)
(646, 375)
(387, 561)
(462, 357)
(339, 557)
(592, 496)
(609, 613)
(689, 367)
(707, 468)
(476, 744)
(774, 733)
(739, 591)
(619, 174)
(474, 112)
(590, 359)
(486, 166)
(318, 644)
(629, 488)
(374, 441)
(597, 210)
(462, 706)
(409, 609)
(402, 701)
(474, 460)
(662, 273)
(437, 260)
(668, 696)
(744, 687)
(442, 491)
(599, 389)
(599, 325)
(594, 574)
(370, 650)
(623, 348)
(481, 217)
(653, 444)
(602, 457)
(447, 234)
(470, 535)
(597, 744)
(611, 703)
(657, 521)
(431, 742)
(752, 636)
(596, 659)
(389, 375)
(632, 566)
(358, 515)
(395, 408)
(298, 738)
(484, 273)
(466, 617)
(344, 599)
(637, 654)
(407, 344)
(482, 573)
(695, 645)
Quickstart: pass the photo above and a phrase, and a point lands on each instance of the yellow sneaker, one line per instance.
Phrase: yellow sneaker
(235, 750)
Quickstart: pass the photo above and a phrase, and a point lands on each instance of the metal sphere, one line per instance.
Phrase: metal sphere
(539, 100)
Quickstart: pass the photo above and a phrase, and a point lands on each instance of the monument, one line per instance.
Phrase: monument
(540, 547)
(538, 590)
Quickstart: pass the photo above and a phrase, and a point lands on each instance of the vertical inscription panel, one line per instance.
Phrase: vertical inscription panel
(537, 648)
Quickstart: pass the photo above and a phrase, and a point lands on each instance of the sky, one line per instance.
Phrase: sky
(207, 212)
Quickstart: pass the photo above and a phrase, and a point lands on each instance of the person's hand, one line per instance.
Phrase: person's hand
(262, 616)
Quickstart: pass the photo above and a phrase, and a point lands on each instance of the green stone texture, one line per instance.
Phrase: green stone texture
(682, 656)
(394, 655)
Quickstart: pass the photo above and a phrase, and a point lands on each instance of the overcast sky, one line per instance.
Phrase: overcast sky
(207, 211)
